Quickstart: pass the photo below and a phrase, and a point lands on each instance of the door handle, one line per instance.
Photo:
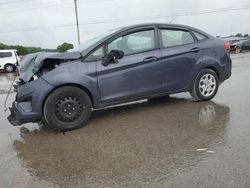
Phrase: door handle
(195, 50)
(150, 59)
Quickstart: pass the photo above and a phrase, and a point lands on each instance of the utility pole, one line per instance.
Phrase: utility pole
(77, 23)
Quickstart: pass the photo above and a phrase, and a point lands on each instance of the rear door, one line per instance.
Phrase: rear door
(17, 58)
(138, 73)
(180, 53)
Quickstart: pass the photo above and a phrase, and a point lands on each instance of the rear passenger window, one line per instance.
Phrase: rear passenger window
(5, 54)
(175, 37)
(199, 36)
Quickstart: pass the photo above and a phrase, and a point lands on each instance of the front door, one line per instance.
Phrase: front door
(137, 74)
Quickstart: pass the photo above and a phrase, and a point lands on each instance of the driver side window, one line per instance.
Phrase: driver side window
(134, 43)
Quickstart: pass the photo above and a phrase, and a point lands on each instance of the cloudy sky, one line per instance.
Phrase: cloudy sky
(48, 23)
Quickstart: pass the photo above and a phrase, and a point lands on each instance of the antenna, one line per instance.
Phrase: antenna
(172, 20)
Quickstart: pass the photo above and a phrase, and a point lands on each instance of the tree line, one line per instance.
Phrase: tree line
(22, 50)
(242, 35)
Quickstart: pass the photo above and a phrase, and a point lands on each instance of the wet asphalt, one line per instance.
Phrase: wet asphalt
(164, 143)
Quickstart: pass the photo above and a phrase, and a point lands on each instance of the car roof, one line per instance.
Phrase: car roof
(177, 26)
(158, 24)
(8, 50)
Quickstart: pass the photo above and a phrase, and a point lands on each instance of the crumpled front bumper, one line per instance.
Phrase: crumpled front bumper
(28, 104)
(19, 115)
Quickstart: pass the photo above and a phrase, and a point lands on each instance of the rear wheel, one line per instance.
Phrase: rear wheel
(67, 108)
(205, 85)
(9, 68)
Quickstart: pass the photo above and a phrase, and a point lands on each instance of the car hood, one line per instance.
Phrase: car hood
(32, 63)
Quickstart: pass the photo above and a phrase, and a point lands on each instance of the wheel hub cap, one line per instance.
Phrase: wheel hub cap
(207, 85)
(68, 109)
(9, 68)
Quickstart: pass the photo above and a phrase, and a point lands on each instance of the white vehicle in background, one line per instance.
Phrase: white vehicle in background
(9, 60)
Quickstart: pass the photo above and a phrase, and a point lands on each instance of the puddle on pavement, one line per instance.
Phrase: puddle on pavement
(124, 145)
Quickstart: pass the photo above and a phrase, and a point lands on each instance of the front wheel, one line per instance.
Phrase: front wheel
(205, 85)
(67, 108)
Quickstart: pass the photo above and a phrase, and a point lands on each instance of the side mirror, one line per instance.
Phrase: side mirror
(112, 56)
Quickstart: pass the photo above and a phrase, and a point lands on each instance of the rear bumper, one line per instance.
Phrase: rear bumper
(225, 71)
(20, 114)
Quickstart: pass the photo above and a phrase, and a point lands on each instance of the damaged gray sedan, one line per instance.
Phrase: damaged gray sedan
(123, 65)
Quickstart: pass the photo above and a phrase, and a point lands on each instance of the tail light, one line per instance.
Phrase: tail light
(227, 46)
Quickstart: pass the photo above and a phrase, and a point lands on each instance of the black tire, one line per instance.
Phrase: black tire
(9, 68)
(201, 94)
(67, 108)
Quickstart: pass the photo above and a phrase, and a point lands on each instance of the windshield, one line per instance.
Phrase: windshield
(90, 42)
